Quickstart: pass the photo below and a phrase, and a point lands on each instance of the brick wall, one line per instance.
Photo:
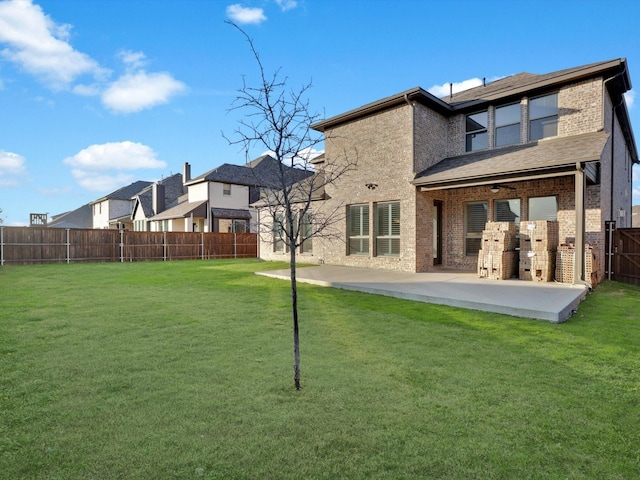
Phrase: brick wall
(392, 146)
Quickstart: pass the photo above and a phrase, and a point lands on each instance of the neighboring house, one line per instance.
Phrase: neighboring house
(635, 216)
(114, 210)
(432, 171)
(79, 218)
(155, 199)
(219, 200)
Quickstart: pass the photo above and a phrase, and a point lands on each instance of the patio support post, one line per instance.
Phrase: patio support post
(578, 265)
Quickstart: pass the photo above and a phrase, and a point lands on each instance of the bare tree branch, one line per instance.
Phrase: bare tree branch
(279, 121)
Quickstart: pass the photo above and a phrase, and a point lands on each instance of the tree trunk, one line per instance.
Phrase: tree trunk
(296, 332)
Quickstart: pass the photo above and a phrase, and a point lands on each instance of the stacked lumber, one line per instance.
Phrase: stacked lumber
(498, 258)
(538, 246)
(565, 264)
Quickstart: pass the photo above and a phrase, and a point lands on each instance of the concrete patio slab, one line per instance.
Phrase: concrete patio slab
(553, 302)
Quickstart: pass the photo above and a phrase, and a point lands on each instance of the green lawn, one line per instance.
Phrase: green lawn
(183, 370)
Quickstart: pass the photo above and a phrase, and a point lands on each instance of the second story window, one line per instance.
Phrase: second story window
(507, 125)
(543, 117)
(226, 189)
(476, 131)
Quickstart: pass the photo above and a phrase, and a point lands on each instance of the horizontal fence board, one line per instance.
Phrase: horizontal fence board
(32, 245)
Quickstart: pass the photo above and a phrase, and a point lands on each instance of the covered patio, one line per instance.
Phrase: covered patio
(553, 302)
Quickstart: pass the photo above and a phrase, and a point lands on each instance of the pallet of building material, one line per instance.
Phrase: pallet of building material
(539, 235)
(498, 241)
(500, 227)
(566, 261)
(537, 266)
(497, 265)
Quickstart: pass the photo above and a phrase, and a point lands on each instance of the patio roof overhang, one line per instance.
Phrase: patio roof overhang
(554, 157)
(576, 156)
(183, 210)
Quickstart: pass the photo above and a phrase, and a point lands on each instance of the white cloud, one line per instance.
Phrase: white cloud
(40, 46)
(287, 4)
(241, 14)
(444, 89)
(630, 98)
(100, 167)
(138, 91)
(133, 60)
(12, 169)
(115, 156)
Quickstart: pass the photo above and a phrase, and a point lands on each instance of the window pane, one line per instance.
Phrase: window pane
(388, 229)
(508, 210)
(476, 141)
(475, 221)
(543, 208)
(543, 128)
(508, 135)
(477, 121)
(543, 106)
(508, 115)
(358, 229)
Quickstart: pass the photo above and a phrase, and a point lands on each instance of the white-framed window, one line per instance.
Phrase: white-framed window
(278, 232)
(507, 125)
(476, 131)
(226, 189)
(543, 117)
(387, 229)
(358, 223)
(475, 219)
(543, 208)
(306, 231)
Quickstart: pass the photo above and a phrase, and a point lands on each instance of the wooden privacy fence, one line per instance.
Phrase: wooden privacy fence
(626, 255)
(27, 245)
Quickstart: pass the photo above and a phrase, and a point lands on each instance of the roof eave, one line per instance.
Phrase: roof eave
(414, 94)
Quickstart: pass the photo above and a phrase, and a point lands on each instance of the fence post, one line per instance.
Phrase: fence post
(68, 247)
(1, 246)
(121, 246)
(201, 245)
(164, 246)
(235, 249)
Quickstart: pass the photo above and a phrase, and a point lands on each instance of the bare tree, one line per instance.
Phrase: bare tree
(278, 120)
(1, 219)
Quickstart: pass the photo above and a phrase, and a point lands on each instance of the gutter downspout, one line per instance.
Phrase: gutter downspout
(613, 136)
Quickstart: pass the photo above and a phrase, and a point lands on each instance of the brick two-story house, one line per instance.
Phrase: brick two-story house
(431, 171)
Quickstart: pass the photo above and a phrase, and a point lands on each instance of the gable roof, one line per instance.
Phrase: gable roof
(173, 189)
(614, 72)
(125, 193)
(264, 171)
(81, 217)
(530, 83)
(558, 154)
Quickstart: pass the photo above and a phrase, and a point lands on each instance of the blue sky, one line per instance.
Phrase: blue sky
(95, 94)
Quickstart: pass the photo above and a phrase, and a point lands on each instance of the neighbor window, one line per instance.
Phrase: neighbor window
(543, 208)
(388, 229)
(278, 232)
(358, 229)
(476, 131)
(507, 125)
(543, 117)
(475, 219)
(226, 189)
(306, 232)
